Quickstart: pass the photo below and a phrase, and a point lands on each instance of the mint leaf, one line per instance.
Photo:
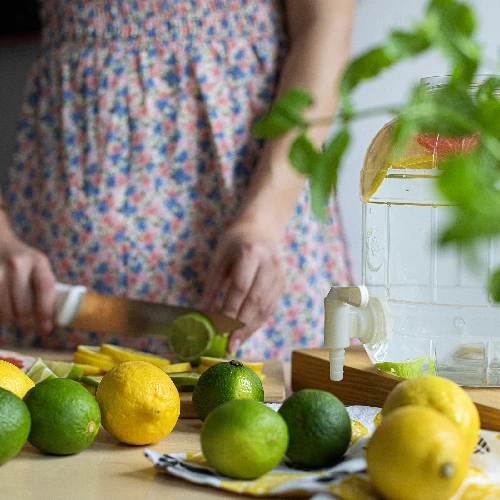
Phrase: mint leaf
(285, 114)
(494, 286)
(304, 156)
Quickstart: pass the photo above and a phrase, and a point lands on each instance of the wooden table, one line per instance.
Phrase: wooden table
(107, 470)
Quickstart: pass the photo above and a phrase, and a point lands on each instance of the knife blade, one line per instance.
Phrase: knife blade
(77, 307)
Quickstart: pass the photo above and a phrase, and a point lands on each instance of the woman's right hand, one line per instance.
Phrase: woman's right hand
(27, 286)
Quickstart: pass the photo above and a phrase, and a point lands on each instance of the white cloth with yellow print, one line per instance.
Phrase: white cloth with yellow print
(347, 480)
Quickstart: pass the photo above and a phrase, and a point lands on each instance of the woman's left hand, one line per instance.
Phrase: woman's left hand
(247, 267)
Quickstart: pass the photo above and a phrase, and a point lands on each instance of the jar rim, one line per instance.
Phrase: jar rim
(435, 82)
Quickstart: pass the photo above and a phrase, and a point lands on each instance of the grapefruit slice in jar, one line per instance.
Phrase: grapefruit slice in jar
(444, 146)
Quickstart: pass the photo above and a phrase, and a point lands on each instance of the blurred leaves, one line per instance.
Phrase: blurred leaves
(462, 107)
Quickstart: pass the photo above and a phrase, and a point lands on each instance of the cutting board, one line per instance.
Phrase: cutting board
(363, 384)
(273, 383)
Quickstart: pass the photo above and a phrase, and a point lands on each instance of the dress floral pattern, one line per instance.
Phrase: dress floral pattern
(135, 147)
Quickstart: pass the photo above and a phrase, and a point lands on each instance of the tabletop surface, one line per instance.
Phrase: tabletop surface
(106, 470)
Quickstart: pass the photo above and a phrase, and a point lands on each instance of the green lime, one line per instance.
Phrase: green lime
(244, 439)
(65, 417)
(39, 371)
(91, 380)
(223, 382)
(185, 381)
(319, 427)
(408, 369)
(65, 369)
(189, 336)
(218, 346)
(15, 422)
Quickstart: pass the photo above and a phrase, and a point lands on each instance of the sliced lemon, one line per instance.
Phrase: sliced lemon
(178, 367)
(40, 371)
(121, 354)
(378, 160)
(91, 355)
(90, 369)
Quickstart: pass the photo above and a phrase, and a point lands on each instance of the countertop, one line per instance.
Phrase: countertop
(106, 470)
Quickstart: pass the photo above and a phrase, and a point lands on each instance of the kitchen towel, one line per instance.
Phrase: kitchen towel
(347, 480)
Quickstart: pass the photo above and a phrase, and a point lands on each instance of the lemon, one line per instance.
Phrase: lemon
(120, 354)
(244, 439)
(319, 427)
(139, 403)
(65, 417)
(178, 367)
(189, 336)
(223, 382)
(443, 395)
(15, 423)
(14, 379)
(416, 453)
(89, 369)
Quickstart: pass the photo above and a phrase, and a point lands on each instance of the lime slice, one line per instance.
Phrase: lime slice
(218, 346)
(65, 369)
(189, 336)
(185, 381)
(405, 369)
(91, 380)
(40, 371)
(121, 354)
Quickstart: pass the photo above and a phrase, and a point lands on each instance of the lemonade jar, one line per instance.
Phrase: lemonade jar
(422, 307)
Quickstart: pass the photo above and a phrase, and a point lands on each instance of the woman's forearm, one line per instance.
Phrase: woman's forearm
(320, 41)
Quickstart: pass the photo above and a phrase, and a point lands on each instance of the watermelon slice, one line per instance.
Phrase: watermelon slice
(20, 360)
(444, 146)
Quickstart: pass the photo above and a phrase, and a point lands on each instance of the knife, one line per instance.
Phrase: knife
(77, 307)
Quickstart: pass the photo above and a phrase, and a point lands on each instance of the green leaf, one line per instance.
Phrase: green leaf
(324, 176)
(285, 114)
(494, 286)
(304, 156)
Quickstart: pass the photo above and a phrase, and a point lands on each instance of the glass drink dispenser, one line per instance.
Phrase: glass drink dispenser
(422, 308)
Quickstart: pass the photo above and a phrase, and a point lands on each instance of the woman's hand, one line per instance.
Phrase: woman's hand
(27, 286)
(247, 267)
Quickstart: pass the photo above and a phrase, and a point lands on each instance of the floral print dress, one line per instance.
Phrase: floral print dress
(134, 150)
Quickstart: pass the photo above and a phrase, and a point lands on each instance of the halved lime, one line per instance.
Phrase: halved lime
(40, 371)
(185, 381)
(218, 346)
(404, 369)
(189, 336)
(65, 369)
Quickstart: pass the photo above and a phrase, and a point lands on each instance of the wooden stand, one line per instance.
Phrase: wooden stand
(364, 385)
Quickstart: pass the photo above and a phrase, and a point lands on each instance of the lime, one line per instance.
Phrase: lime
(15, 422)
(91, 380)
(65, 417)
(121, 354)
(14, 379)
(189, 336)
(407, 369)
(319, 427)
(65, 369)
(206, 362)
(39, 371)
(244, 439)
(417, 453)
(218, 346)
(223, 382)
(185, 381)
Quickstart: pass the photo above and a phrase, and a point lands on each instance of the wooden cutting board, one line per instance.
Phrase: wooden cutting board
(363, 384)
(273, 383)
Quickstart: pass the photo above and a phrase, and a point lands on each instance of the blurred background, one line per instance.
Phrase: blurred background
(374, 19)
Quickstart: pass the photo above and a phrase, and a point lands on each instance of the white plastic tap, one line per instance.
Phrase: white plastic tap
(350, 312)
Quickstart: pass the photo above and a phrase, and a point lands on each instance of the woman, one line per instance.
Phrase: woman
(136, 172)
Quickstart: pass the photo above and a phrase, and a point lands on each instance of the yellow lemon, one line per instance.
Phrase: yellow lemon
(443, 395)
(139, 403)
(14, 379)
(416, 453)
